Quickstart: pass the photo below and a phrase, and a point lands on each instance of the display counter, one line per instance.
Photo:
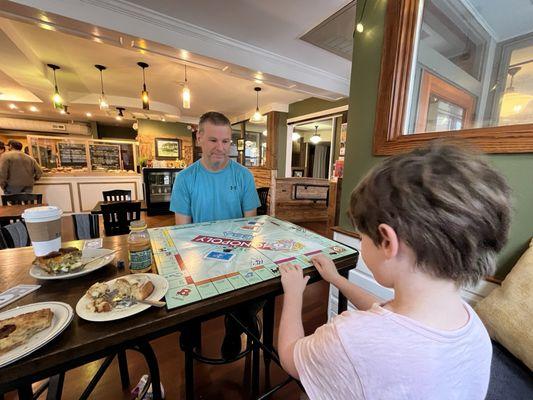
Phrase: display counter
(76, 192)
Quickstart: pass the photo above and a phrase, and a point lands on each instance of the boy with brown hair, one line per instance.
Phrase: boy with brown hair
(431, 221)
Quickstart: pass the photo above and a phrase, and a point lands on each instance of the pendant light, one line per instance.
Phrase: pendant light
(315, 139)
(295, 136)
(56, 98)
(144, 93)
(257, 117)
(360, 27)
(102, 101)
(513, 102)
(186, 92)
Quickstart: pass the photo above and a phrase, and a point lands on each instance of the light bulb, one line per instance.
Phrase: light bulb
(58, 101)
(265, 133)
(144, 98)
(257, 117)
(315, 139)
(118, 118)
(104, 105)
(359, 27)
(295, 136)
(62, 112)
(186, 94)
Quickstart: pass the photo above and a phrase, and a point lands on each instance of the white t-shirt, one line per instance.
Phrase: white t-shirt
(378, 354)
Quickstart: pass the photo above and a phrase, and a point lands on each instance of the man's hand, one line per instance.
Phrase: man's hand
(326, 268)
(292, 279)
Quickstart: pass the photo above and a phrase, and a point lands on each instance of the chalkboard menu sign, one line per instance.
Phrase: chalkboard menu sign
(72, 154)
(106, 156)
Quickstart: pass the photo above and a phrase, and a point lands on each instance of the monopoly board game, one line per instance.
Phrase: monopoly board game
(206, 259)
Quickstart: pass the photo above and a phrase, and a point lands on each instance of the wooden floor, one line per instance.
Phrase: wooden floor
(211, 382)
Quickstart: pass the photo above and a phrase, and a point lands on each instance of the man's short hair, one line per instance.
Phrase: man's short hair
(214, 118)
(447, 204)
(15, 144)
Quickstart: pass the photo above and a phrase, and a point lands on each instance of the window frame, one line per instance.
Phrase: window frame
(400, 33)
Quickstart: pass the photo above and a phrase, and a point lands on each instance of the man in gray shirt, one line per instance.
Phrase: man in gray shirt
(18, 171)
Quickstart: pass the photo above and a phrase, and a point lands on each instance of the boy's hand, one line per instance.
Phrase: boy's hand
(292, 279)
(326, 268)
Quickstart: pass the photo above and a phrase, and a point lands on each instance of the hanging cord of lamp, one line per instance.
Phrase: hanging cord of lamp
(360, 27)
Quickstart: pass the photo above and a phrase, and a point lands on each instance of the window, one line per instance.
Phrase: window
(461, 68)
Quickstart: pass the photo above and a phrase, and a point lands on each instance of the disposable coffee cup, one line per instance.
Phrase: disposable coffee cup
(44, 227)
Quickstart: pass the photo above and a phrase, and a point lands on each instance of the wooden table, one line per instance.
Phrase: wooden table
(16, 211)
(98, 207)
(85, 341)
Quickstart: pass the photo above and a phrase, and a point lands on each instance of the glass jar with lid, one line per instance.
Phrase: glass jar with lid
(139, 248)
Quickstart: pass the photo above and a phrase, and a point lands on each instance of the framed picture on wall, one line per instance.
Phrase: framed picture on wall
(240, 144)
(166, 148)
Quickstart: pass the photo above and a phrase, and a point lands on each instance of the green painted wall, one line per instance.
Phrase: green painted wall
(312, 105)
(281, 151)
(361, 115)
(164, 129)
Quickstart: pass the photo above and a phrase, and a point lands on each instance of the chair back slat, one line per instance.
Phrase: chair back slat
(117, 195)
(22, 198)
(117, 216)
(262, 192)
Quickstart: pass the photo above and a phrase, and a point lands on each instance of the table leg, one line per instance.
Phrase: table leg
(343, 301)
(268, 335)
(123, 368)
(55, 386)
(25, 392)
(256, 354)
(153, 368)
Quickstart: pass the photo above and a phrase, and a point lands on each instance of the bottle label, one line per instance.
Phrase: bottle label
(140, 260)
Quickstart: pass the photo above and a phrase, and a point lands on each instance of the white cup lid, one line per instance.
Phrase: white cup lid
(44, 212)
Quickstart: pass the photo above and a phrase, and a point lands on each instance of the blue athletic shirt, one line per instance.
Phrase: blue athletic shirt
(211, 196)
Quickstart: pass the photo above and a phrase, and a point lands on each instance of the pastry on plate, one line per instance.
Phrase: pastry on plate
(18, 330)
(105, 296)
(62, 261)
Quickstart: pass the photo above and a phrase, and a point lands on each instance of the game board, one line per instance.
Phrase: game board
(206, 259)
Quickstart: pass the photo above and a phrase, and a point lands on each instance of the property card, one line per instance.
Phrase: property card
(93, 244)
(220, 256)
(15, 293)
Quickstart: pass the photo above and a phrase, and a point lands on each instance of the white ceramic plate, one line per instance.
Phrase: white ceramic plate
(87, 254)
(63, 314)
(160, 289)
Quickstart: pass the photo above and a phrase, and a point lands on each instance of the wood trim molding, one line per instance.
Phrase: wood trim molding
(397, 56)
(72, 207)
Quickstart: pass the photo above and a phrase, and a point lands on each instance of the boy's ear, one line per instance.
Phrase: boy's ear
(389, 240)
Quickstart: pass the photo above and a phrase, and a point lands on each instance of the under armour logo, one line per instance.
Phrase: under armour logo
(233, 188)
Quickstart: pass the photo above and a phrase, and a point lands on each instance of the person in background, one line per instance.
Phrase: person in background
(216, 188)
(18, 171)
(26, 150)
(431, 221)
(2, 148)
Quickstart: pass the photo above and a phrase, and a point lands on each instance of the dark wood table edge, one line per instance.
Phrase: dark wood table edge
(146, 332)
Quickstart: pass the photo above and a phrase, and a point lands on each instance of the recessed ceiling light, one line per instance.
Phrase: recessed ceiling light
(13, 106)
(33, 109)
(89, 114)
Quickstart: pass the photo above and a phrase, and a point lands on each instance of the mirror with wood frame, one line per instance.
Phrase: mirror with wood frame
(459, 69)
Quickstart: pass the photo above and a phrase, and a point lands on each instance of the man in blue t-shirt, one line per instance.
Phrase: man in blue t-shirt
(215, 188)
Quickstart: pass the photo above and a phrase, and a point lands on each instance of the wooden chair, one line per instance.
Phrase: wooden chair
(22, 198)
(117, 195)
(86, 226)
(14, 235)
(263, 197)
(117, 216)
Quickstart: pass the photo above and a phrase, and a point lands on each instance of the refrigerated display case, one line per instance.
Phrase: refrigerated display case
(158, 189)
